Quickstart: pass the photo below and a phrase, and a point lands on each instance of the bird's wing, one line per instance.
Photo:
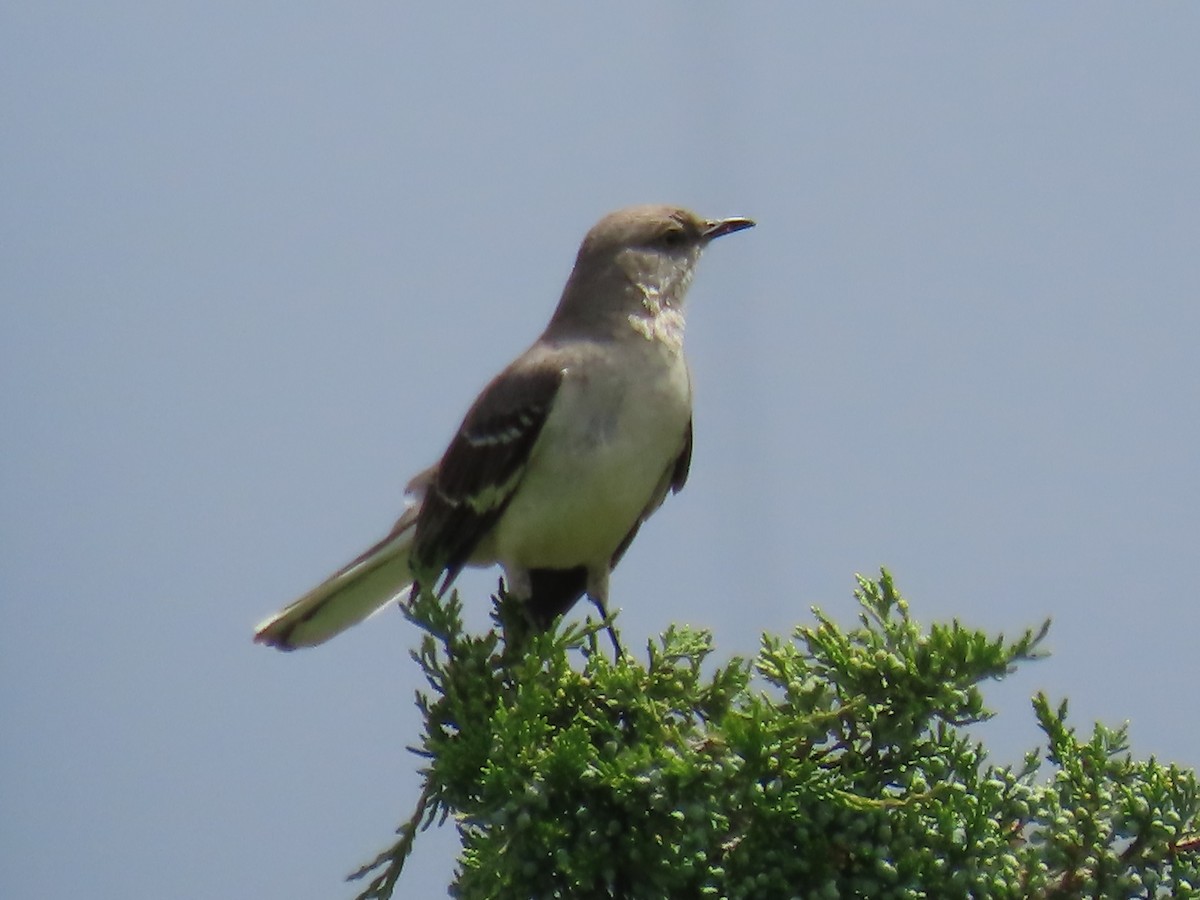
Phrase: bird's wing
(482, 467)
(679, 472)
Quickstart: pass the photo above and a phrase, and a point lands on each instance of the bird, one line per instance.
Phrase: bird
(562, 456)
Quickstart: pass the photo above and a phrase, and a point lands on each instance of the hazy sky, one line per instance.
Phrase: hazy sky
(256, 260)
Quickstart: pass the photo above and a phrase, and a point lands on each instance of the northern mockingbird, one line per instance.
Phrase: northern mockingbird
(562, 456)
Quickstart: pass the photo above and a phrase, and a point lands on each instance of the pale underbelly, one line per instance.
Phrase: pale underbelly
(572, 515)
(576, 505)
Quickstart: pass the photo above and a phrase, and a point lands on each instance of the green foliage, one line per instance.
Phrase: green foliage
(832, 765)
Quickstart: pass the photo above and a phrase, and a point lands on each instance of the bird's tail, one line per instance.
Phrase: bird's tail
(347, 596)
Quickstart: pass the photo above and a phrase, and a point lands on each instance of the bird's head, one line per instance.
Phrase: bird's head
(644, 256)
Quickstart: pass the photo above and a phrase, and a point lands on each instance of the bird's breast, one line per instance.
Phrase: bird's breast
(611, 439)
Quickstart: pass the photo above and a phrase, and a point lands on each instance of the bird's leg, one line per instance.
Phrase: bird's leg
(511, 611)
(597, 592)
(407, 598)
(612, 634)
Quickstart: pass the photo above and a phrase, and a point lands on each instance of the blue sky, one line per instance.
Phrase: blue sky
(256, 262)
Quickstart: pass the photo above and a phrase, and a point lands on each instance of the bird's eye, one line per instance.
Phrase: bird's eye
(673, 237)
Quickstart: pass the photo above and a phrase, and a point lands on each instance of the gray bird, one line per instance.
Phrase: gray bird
(563, 455)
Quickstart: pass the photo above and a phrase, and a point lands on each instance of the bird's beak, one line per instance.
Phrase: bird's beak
(717, 227)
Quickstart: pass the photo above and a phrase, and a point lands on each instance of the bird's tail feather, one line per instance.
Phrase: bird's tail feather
(347, 596)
